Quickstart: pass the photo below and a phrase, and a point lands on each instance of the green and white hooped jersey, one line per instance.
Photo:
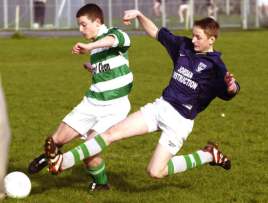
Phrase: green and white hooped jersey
(112, 79)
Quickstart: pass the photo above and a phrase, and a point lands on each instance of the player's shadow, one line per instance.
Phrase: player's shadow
(78, 178)
(122, 183)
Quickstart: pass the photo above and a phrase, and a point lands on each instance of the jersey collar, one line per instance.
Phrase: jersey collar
(103, 29)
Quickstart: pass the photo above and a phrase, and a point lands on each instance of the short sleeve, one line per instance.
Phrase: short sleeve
(121, 38)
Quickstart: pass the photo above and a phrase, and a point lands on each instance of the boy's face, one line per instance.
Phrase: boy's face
(88, 28)
(202, 43)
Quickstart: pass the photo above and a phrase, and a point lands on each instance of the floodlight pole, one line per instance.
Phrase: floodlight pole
(137, 8)
(56, 15)
(69, 14)
(31, 13)
(5, 15)
(59, 12)
(110, 13)
(164, 20)
(191, 13)
(257, 15)
(244, 14)
(17, 18)
(228, 7)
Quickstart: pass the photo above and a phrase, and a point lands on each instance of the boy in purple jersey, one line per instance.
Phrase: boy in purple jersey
(199, 76)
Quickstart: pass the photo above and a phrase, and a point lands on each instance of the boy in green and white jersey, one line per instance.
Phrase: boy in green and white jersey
(112, 79)
(106, 101)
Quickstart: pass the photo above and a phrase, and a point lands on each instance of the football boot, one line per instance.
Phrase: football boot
(219, 159)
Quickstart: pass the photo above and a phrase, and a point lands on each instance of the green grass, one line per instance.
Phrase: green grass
(43, 82)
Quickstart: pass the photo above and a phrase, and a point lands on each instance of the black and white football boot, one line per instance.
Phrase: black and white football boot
(37, 164)
(219, 159)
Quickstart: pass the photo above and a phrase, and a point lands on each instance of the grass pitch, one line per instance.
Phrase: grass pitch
(43, 82)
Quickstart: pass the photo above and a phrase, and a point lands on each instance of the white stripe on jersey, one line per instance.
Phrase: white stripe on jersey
(112, 84)
(98, 50)
(127, 40)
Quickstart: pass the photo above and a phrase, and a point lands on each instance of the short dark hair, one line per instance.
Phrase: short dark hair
(210, 26)
(92, 11)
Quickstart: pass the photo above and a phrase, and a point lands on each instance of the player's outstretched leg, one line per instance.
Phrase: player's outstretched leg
(219, 159)
(41, 161)
(37, 164)
(57, 161)
(54, 156)
(209, 154)
(54, 164)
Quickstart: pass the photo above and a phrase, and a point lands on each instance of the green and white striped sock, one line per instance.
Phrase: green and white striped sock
(98, 173)
(83, 151)
(184, 162)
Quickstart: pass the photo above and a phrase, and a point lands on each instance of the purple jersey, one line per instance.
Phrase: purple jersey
(196, 78)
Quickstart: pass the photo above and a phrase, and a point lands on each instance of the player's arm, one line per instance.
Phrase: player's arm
(232, 86)
(163, 35)
(229, 87)
(149, 27)
(82, 48)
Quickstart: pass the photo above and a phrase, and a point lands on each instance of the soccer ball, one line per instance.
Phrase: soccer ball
(17, 185)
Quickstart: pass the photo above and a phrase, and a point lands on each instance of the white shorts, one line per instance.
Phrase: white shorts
(175, 128)
(88, 116)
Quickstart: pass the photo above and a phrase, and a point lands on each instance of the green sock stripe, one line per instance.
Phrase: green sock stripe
(100, 141)
(76, 155)
(85, 150)
(96, 172)
(188, 161)
(170, 167)
(197, 159)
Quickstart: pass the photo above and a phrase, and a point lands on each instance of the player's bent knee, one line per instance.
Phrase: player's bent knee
(110, 136)
(93, 161)
(154, 173)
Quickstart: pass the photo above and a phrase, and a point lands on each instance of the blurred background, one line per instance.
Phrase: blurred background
(60, 14)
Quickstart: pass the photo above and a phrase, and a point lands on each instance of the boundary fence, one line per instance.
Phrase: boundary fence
(60, 14)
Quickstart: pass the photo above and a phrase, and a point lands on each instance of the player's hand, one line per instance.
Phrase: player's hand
(81, 48)
(88, 67)
(130, 15)
(230, 82)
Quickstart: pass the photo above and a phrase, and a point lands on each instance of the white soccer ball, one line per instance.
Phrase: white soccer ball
(17, 185)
